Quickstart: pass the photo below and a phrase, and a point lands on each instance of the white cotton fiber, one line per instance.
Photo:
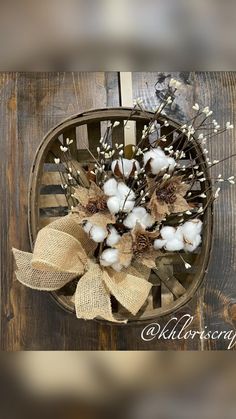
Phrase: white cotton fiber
(124, 191)
(172, 163)
(113, 204)
(191, 229)
(109, 257)
(159, 160)
(121, 197)
(158, 164)
(126, 166)
(140, 212)
(179, 233)
(148, 220)
(126, 205)
(110, 187)
(159, 244)
(98, 234)
(113, 237)
(140, 215)
(185, 237)
(130, 220)
(174, 245)
(190, 247)
(198, 224)
(117, 267)
(87, 227)
(168, 232)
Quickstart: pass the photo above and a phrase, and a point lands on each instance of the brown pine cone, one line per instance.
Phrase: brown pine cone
(142, 243)
(170, 199)
(92, 207)
(171, 188)
(102, 204)
(167, 194)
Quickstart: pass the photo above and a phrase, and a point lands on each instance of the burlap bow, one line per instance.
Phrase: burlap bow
(62, 252)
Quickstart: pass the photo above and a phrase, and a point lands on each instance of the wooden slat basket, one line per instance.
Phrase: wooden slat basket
(173, 285)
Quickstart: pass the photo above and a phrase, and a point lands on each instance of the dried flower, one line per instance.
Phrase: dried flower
(125, 168)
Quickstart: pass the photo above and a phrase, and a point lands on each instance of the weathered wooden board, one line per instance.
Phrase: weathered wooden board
(30, 105)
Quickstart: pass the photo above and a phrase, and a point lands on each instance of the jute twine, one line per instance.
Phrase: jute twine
(62, 252)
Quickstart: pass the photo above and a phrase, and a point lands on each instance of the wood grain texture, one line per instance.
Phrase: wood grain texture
(30, 105)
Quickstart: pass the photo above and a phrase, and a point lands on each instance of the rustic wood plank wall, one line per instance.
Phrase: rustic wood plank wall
(31, 104)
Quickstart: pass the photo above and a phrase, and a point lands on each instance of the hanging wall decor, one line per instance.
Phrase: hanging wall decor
(121, 230)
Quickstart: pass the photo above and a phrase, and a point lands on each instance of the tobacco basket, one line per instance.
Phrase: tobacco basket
(173, 285)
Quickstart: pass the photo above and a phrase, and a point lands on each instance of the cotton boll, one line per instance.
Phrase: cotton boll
(159, 244)
(147, 156)
(198, 224)
(110, 187)
(130, 220)
(147, 220)
(179, 233)
(140, 212)
(109, 257)
(159, 160)
(117, 267)
(174, 245)
(113, 204)
(125, 166)
(124, 191)
(168, 232)
(190, 230)
(159, 152)
(158, 164)
(191, 247)
(126, 206)
(87, 227)
(113, 237)
(172, 163)
(98, 234)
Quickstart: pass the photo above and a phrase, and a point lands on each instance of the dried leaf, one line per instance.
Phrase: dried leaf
(95, 192)
(180, 205)
(125, 247)
(101, 219)
(159, 209)
(149, 258)
(138, 229)
(82, 194)
(81, 213)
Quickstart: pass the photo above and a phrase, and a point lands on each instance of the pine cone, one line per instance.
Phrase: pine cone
(102, 204)
(142, 244)
(167, 194)
(92, 207)
(171, 188)
(170, 199)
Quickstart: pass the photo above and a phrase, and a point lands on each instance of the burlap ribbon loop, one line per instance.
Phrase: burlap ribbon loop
(62, 252)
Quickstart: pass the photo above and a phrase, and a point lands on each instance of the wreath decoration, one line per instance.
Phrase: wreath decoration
(135, 204)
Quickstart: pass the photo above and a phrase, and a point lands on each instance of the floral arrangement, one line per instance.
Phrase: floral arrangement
(133, 204)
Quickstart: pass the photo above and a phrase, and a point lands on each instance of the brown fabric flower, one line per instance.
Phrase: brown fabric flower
(169, 198)
(92, 205)
(143, 246)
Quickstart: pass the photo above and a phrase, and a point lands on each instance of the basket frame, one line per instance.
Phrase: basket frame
(103, 114)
